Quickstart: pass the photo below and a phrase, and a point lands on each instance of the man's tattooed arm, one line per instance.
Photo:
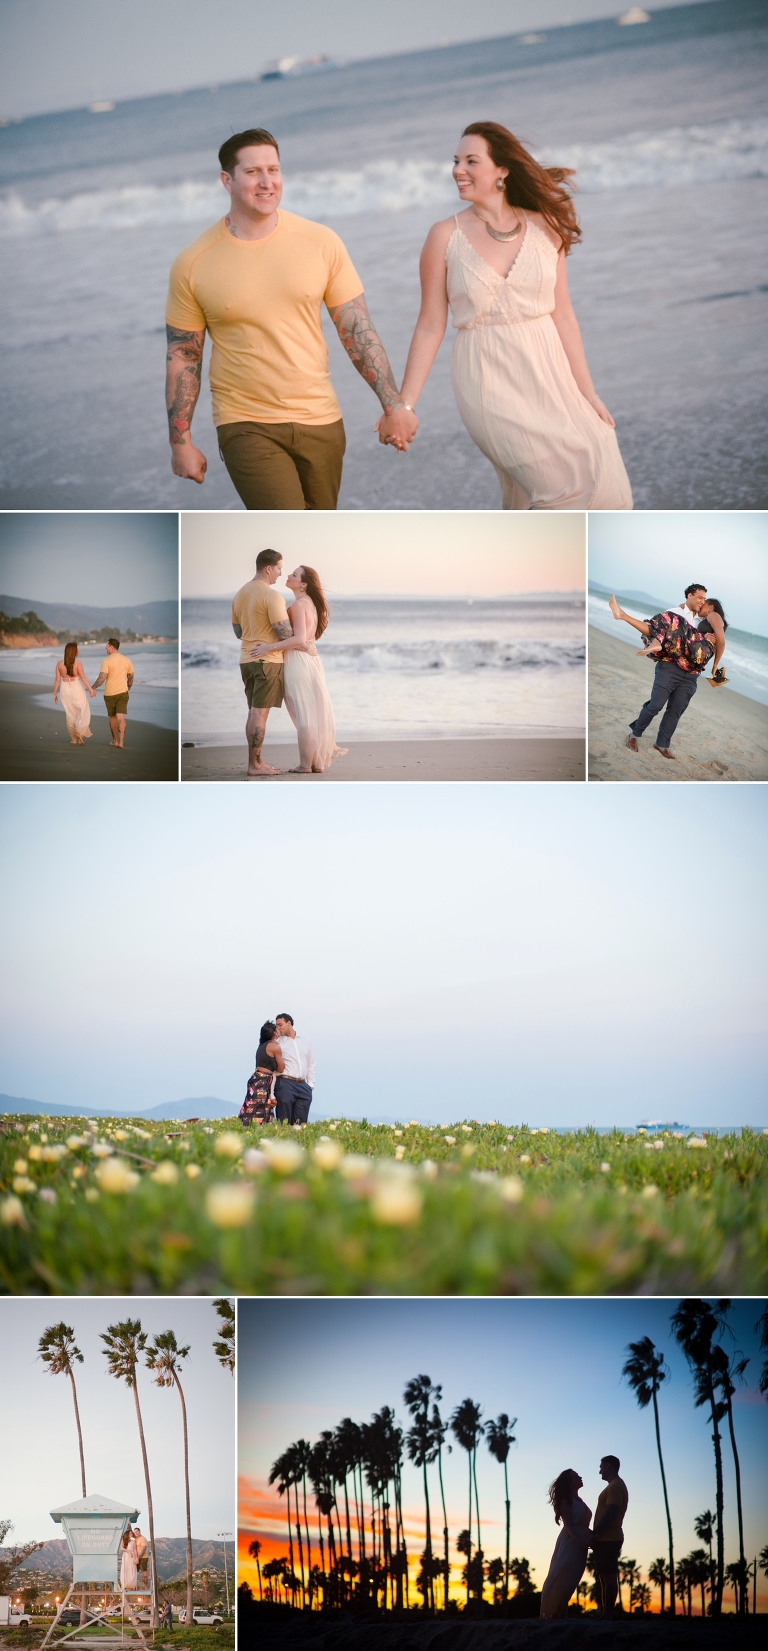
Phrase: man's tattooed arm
(283, 629)
(361, 341)
(364, 347)
(184, 362)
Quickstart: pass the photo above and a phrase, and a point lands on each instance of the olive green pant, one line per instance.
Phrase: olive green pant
(284, 466)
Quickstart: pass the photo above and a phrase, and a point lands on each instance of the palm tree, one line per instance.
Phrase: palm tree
(642, 1596)
(694, 1325)
(439, 1429)
(733, 1574)
(726, 1369)
(124, 1343)
(421, 1447)
(58, 1349)
(658, 1574)
(684, 1580)
(499, 1436)
(254, 1549)
(495, 1576)
(645, 1370)
(761, 1330)
(699, 1567)
(468, 1429)
(704, 1526)
(627, 1573)
(224, 1345)
(165, 1357)
(280, 1473)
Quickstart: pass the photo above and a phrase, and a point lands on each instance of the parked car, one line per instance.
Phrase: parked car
(202, 1618)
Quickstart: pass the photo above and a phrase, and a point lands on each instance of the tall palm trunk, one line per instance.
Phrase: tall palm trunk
(446, 1557)
(186, 1497)
(469, 1524)
(429, 1591)
(506, 1566)
(71, 1374)
(301, 1544)
(150, 1507)
(737, 1470)
(720, 1581)
(666, 1507)
(288, 1514)
(306, 1520)
(477, 1499)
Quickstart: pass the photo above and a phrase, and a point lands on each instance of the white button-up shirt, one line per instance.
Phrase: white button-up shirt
(299, 1058)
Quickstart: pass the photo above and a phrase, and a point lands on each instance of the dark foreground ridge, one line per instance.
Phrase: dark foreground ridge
(652, 1633)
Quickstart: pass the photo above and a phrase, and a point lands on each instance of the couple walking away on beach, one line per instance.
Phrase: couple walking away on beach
(257, 280)
(71, 682)
(280, 1087)
(267, 633)
(684, 639)
(605, 1539)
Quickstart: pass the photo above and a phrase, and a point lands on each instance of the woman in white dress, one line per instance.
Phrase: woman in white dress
(128, 1564)
(72, 683)
(570, 1556)
(519, 371)
(306, 695)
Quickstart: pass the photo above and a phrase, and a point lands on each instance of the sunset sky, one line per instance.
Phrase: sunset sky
(447, 552)
(555, 1365)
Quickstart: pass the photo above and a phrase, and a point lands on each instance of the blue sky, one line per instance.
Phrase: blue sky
(663, 551)
(130, 48)
(575, 932)
(92, 558)
(555, 1365)
(41, 1466)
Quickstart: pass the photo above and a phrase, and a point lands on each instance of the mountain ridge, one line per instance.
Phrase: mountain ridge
(160, 618)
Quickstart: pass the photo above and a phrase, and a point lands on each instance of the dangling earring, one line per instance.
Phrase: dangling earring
(499, 183)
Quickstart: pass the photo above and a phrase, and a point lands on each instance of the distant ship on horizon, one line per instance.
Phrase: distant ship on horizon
(284, 68)
(655, 1128)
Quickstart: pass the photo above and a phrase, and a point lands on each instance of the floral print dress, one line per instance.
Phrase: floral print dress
(680, 642)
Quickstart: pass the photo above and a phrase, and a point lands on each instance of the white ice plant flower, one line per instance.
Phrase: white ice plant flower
(230, 1204)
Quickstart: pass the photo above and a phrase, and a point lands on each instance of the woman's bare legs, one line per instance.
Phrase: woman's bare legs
(653, 648)
(637, 624)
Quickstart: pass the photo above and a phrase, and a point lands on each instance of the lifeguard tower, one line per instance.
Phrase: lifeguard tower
(94, 1528)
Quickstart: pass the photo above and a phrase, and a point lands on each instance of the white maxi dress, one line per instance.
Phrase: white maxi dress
(309, 707)
(77, 707)
(567, 1564)
(514, 387)
(129, 1568)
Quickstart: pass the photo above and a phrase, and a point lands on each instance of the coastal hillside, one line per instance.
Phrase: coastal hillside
(160, 618)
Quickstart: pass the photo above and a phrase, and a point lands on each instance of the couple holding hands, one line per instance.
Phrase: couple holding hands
(605, 1538)
(257, 281)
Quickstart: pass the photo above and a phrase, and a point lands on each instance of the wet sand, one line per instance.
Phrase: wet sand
(35, 745)
(721, 736)
(392, 760)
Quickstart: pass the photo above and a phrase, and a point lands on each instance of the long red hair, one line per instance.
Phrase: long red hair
(70, 655)
(539, 188)
(316, 594)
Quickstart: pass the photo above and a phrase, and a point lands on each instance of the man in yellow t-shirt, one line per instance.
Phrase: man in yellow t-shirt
(116, 672)
(259, 614)
(257, 281)
(608, 1533)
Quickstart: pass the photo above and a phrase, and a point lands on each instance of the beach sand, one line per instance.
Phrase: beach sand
(721, 736)
(34, 744)
(482, 759)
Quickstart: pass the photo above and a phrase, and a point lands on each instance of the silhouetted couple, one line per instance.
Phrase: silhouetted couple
(605, 1538)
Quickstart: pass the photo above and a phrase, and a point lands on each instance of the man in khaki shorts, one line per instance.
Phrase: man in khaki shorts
(608, 1533)
(116, 672)
(257, 281)
(259, 614)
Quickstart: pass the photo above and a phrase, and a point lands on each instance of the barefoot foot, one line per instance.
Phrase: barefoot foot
(262, 771)
(301, 770)
(614, 607)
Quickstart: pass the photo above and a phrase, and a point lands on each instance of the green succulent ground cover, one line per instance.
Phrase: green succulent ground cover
(117, 1207)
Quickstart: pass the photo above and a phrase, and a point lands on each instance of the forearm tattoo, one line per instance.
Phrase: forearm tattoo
(364, 347)
(184, 358)
(283, 629)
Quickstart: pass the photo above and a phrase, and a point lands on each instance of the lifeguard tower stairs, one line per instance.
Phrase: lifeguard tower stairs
(94, 1528)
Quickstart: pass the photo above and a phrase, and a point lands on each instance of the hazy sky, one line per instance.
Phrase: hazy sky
(555, 1365)
(41, 1465)
(386, 919)
(114, 558)
(419, 552)
(663, 551)
(128, 48)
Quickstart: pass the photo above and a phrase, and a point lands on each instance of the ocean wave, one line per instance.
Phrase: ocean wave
(457, 657)
(719, 152)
